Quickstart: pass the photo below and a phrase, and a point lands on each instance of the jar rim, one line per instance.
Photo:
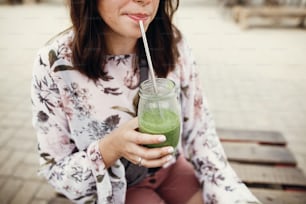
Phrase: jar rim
(167, 89)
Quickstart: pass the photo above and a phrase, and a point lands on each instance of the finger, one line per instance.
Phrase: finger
(154, 153)
(136, 151)
(137, 160)
(143, 138)
(156, 162)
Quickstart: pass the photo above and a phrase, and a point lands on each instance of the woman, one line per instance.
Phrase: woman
(84, 87)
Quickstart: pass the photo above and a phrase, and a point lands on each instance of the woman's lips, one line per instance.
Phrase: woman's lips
(138, 16)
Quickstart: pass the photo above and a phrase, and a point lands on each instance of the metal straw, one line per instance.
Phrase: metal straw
(145, 43)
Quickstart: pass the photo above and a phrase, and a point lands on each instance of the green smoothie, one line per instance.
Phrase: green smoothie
(161, 121)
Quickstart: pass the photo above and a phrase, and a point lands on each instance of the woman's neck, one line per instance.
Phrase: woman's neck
(121, 45)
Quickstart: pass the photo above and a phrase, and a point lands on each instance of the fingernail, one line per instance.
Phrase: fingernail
(162, 138)
(166, 165)
(169, 161)
(170, 150)
(169, 158)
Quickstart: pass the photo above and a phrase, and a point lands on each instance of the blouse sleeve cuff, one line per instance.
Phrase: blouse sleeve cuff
(95, 158)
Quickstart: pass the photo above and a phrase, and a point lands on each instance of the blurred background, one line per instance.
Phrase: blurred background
(251, 55)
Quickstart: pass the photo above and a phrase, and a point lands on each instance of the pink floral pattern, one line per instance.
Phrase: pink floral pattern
(71, 114)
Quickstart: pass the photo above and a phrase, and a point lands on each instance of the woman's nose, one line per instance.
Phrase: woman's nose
(142, 2)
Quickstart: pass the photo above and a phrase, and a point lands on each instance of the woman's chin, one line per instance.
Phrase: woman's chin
(133, 35)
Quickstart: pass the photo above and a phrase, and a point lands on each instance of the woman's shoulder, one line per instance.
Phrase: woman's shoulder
(185, 53)
(65, 35)
(183, 44)
(63, 38)
(185, 61)
(57, 51)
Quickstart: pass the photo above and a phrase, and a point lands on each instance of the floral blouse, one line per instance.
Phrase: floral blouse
(71, 113)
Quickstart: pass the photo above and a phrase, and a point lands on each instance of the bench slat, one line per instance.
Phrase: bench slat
(268, 196)
(259, 154)
(286, 176)
(267, 137)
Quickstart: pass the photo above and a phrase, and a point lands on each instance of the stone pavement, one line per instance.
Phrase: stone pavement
(253, 80)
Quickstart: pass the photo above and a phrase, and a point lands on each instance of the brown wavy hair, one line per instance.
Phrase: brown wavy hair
(89, 47)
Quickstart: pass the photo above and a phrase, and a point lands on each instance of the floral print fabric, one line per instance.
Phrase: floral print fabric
(71, 113)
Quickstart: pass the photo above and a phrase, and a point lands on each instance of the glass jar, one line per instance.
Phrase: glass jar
(159, 113)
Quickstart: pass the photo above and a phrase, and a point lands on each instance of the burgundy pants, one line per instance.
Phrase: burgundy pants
(173, 185)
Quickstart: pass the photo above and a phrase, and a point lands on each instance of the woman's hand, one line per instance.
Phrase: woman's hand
(126, 142)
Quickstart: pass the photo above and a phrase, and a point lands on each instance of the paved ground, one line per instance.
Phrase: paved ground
(253, 79)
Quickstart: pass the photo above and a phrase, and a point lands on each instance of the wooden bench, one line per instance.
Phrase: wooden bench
(262, 160)
(242, 14)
